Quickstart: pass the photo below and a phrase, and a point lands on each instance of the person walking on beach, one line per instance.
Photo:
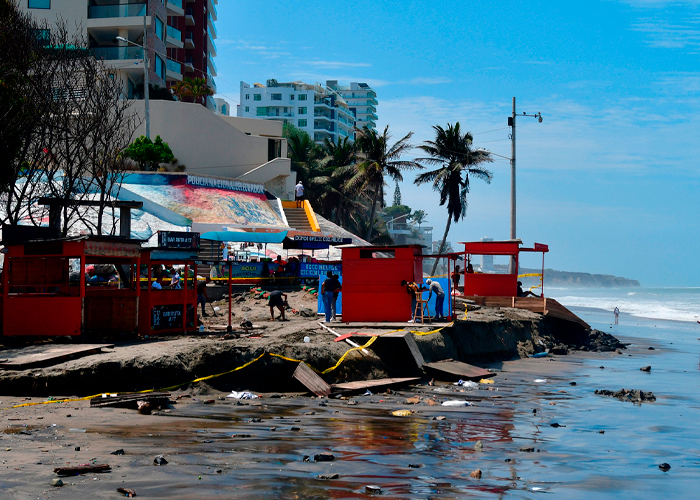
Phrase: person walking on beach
(434, 286)
(276, 300)
(327, 290)
(617, 314)
(299, 193)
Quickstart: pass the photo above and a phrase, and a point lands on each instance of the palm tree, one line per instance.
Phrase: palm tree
(419, 216)
(195, 88)
(305, 155)
(456, 161)
(380, 159)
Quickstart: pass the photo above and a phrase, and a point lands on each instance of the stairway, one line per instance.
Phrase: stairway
(297, 219)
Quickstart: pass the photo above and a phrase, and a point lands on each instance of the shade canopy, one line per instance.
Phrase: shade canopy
(240, 236)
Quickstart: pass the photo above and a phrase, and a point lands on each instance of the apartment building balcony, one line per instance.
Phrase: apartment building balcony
(210, 64)
(211, 45)
(116, 9)
(189, 41)
(118, 53)
(211, 83)
(319, 126)
(189, 65)
(175, 8)
(106, 21)
(173, 71)
(211, 105)
(210, 24)
(211, 7)
(323, 116)
(189, 16)
(322, 135)
(173, 37)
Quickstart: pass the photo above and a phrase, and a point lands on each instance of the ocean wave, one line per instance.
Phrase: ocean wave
(652, 307)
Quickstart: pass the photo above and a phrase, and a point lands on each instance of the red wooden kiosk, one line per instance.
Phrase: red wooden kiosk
(496, 285)
(372, 278)
(169, 310)
(44, 289)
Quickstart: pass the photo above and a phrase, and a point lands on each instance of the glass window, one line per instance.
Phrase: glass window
(160, 67)
(302, 123)
(159, 28)
(302, 111)
(39, 4)
(247, 96)
(247, 109)
(291, 97)
(256, 97)
(262, 111)
(302, 97)
(43, 36)
(276, 97)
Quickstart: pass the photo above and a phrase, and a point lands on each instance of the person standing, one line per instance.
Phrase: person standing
(617, 314)
(336, 292)
(455, 277)
(434, 286)
(202, 294)
(299, 193)
(174, 279)
(412, 289)
(327, 290)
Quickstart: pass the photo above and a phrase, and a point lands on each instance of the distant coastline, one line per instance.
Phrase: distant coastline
(572, 279)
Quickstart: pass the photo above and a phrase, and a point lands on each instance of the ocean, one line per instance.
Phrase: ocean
(673, 304)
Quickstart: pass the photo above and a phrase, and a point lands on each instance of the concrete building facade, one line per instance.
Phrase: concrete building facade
(361, 99)
(318, 110)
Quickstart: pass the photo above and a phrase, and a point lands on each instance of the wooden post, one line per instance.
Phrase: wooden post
(125, 222)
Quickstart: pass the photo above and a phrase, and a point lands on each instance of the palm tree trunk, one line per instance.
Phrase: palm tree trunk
(371, 215)
(442, 245)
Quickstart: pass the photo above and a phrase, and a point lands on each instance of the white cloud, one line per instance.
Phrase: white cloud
(336, 64)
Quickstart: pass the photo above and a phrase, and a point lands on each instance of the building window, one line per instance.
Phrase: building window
(247, 109)
(276, 97)
(247, 96)
(160, 67)
(274, 149)
(302, 97)
(302, 123)
(291, 97)
(302, 111)
(43, 37)
(256, 97)
(159, 28)
(262, 111)
(39, 4)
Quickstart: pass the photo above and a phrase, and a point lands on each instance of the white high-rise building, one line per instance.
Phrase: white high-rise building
(318, 110)
(362, 99)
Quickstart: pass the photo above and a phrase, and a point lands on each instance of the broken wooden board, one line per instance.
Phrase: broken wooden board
(458, 370)
(47, 354)
(130, 400)
(362, 385)
(311, 380)
(81, 469)
(397, 350)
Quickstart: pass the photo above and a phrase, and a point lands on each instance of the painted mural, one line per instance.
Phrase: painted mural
(209, 202)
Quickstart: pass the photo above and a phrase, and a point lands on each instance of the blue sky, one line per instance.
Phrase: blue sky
(610, 179)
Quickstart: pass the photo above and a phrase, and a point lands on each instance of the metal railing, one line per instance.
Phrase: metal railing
(174, 33)
(176, 3)
(118, 10)
(173, 66)
(118, 53)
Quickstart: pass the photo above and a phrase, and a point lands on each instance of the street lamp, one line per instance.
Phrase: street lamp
(511, 123)
(145, 75)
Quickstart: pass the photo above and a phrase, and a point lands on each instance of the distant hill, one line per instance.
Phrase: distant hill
(566, 278)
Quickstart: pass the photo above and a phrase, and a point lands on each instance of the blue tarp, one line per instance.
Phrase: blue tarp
(245, 237)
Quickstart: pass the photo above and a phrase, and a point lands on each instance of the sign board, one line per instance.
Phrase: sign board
(313, 270)
(166, 317)
(214, 182)
(178, 239)
(109, 249)
(332, 240)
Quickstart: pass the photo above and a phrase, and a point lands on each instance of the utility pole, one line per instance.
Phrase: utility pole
(146, 83)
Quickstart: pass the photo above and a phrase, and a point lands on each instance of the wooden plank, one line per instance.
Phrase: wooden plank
(369, 384)
(396, 348)
(311, 380)
(457, 369)
(346, 340)
(129, 400)
(50, 354)
(81, 469)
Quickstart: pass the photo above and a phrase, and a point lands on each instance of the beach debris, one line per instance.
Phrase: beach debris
(540, 380)
(373, 488)
(432, 402)
(57, 483)
(155, 399)
(305, 458)
(307, 339)
(402, 413)
(127, 491)
(160, 460)
(80, 469)
(645, 368)
(242, 395)
(415, 466)
(476, 474)
(440, 417)
(539, 355)
(77, 448)
(651, 349)
(456, 402)
(467, 384)
(479, 446)
(367, 393)
(665, 467)
(324, 457)
(449, 369)
(556, 425)
(309, 379)
(143, 407)
(601, 432)
(527, 449)
(486, 381)
(572, 383)
(118, 452)
(631, 395)
(412, 401)
(329, 476)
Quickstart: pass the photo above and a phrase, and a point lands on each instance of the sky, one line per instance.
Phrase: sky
(610, 179)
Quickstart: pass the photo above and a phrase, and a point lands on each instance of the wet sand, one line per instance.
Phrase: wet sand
(236, 456)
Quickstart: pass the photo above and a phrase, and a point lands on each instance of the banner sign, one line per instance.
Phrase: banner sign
(332, 240)
(213, 182)
(108, 249)
(166, 317)
(313, 270)
(178, 239)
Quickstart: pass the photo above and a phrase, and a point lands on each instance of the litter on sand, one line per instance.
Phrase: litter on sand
(242, 395)
(540, 380)
(401, 413)
(456, 402)
(486, 381)
(467, 384)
